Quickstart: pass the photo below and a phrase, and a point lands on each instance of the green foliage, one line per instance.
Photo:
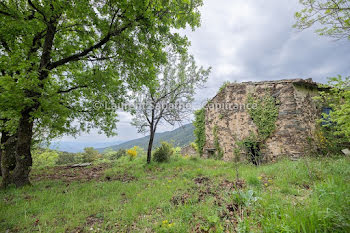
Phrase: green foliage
(163, 153)
(44, 158)
(264, 113)
(252, 146)
(338, 98)
(58, 58)
(199, 131)
(219, 153)
(245, 198)
(292, 202)
(194, 146)
(332, 15)
(223, 86)
(90, 155)
(111, 154)
(65, 158)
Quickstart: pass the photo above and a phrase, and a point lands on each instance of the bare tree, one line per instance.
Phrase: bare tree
(168, 99)
(332, 15)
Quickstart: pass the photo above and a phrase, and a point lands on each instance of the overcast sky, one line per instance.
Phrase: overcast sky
(250, 40)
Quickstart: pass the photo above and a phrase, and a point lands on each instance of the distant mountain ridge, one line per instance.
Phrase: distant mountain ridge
(181, 136)
(76, 146)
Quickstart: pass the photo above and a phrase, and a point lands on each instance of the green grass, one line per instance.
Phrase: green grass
(309, 195)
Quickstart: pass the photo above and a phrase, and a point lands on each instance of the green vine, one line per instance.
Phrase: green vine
(218, 150)
(199, 131)
(223, 86)
(264, 112)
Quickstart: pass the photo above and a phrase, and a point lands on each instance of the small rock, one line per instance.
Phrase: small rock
(346, 151)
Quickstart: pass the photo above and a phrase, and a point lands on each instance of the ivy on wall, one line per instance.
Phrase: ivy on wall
(199, 131)
(264, 112)
(219, 153)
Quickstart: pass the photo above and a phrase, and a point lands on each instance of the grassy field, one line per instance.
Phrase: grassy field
(184, 195)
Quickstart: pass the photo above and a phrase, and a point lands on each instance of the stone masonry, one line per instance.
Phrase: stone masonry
(294, 126)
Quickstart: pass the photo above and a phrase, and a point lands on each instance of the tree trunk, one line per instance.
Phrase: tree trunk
(23, 154)
(150, 144)
(8, 157)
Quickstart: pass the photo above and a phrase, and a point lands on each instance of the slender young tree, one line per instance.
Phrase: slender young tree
(58, 57)
(168, 98)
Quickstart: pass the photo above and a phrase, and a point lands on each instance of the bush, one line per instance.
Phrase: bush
(335, 132)
(163, 153)
(44, 158)
(90, 155)
(114, 155)
(67, 158)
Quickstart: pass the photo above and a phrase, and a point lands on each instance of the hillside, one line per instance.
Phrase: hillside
(183, 195)
(76, 146)
(179, 137)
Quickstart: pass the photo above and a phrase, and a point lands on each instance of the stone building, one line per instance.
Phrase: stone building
(297, 114)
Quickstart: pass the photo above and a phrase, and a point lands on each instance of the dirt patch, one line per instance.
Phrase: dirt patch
(201, 180)
(94, 220)
(180, 199)
(227, 185)
(240, 184)
(68, 174)
(204, 193)
(229, 214)
(125, 178)
(92, 224)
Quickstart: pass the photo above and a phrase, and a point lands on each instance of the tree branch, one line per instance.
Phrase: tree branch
(71, 89)
(37, 9)
(78, 56)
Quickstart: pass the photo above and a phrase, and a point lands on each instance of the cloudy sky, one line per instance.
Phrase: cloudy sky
(250, 40)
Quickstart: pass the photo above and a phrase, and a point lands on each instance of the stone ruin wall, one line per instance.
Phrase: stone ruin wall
(294, 125)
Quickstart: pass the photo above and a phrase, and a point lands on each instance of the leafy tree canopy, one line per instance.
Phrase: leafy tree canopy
(59, 56)
(332, 15)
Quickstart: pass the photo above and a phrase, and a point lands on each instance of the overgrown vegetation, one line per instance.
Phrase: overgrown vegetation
(264, 113)
(163, 153)
(199, 131)
(337, 98)
(183, 195)
(223, 86)
(332, 133)
(219, 153)
(46, 157)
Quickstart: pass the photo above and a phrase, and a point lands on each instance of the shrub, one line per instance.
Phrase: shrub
(44, 158)
(114, 155)
(163, 153)
(118, 154)
(90, 155)
(67, 158)
(335, 132)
